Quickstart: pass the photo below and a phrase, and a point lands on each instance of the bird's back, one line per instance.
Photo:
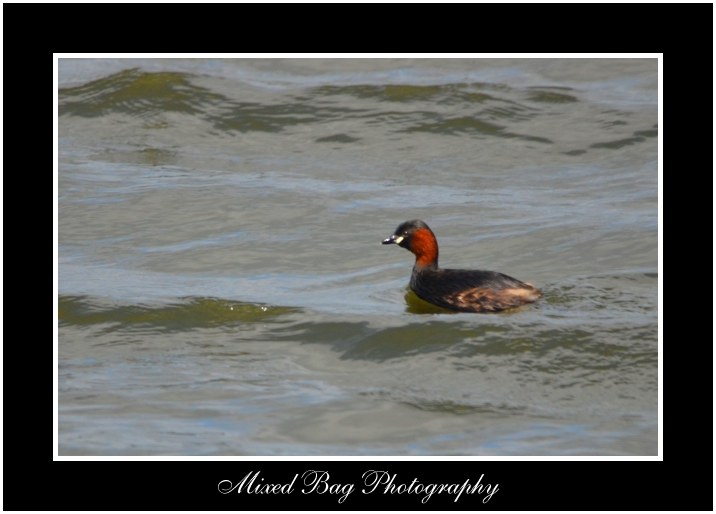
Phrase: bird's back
(471, 290)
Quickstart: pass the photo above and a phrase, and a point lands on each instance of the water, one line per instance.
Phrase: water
(223, 290)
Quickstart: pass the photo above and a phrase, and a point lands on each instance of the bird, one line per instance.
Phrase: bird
(457, 289)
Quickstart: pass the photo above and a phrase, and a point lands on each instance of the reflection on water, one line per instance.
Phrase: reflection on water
(223, 289)
(192, 313)
(138, 94)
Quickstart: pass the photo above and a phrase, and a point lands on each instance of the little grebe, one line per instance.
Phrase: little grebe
(460, 290)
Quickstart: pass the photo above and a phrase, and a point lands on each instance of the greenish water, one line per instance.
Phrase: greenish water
(223, 290)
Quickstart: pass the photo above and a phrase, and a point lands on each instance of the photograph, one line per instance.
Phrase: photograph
(326, 257)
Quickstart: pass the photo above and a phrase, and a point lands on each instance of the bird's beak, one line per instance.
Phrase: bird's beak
(393, 240)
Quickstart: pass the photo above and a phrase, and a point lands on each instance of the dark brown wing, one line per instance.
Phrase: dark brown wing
(472, 291)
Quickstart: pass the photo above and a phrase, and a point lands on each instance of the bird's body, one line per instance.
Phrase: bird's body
(460, 290)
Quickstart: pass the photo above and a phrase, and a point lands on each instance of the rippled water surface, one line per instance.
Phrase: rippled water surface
(222, 289)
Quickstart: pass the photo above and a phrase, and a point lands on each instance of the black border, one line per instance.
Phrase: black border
(194, 486)
(32, 481)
